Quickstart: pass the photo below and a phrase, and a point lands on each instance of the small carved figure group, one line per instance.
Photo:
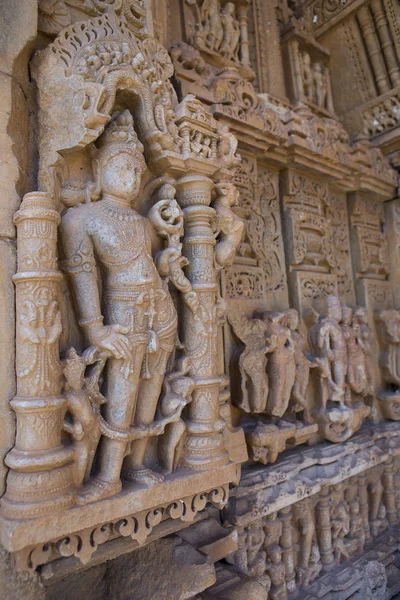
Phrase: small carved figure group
(217, 27)
(315, 82)
(277, 359)
(287, 550)
(266, 383)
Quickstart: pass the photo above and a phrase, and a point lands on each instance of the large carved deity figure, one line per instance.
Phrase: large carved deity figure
(328, 347)
(133, 319)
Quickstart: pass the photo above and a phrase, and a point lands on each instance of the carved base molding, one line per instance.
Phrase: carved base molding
(132, 513)
(349, 580)
(265, 441)
(305, 471)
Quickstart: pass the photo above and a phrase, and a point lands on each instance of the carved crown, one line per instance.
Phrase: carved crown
(120, 136)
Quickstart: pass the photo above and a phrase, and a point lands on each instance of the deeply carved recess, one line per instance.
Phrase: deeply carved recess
(309, 77)
(125, 171)
(278, 364)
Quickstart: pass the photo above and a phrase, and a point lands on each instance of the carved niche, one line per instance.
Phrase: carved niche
(258, 273)
(370, 244)
(308, 76)
(219, 29)
(109, 401)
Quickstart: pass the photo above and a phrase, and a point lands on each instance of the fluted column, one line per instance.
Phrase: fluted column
(286, 544)
(323, 515)
(386, 41)
(40, 477)
(366, 22)
(204, 447)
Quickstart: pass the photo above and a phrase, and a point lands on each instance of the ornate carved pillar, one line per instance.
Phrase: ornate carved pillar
(324, 527)
(386, 42)
(244, 34)
(374, 52)
(389, 492)
(286, 544)
(204, 448)
(40, 477)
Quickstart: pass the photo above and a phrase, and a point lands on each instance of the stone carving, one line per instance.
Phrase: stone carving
(303, 364)
(371, 257)
(136, 327)
(339, 359)
(316, 82)
(162, 291)
(138, 527)
(274, 369)
(389, 321)
(327, 528)
(38, 482)
(266, 382)
(113, 406)
(54, 15)
(382, 116)
(308, 221)
(309, 559)
(217, 28)
(341, 240)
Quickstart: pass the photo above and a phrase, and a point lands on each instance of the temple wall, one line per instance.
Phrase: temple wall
(200, 300)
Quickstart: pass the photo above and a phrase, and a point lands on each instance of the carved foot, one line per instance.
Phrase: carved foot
(96, 489)
(144, 476)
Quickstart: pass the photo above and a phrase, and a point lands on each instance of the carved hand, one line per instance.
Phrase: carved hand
(111, 338)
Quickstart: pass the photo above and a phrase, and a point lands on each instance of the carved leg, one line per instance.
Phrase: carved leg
(121, 394)
(149, 393)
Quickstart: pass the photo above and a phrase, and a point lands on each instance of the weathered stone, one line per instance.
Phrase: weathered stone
(200, 362)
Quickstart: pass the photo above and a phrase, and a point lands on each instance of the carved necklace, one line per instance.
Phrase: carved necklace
(119, 212)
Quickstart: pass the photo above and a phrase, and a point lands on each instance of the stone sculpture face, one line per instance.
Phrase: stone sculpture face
(121, 177)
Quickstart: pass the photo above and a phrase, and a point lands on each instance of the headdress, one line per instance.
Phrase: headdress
(120, 136)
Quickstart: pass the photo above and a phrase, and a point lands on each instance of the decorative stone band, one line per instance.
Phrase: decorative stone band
(304, 473)
(82, 544)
